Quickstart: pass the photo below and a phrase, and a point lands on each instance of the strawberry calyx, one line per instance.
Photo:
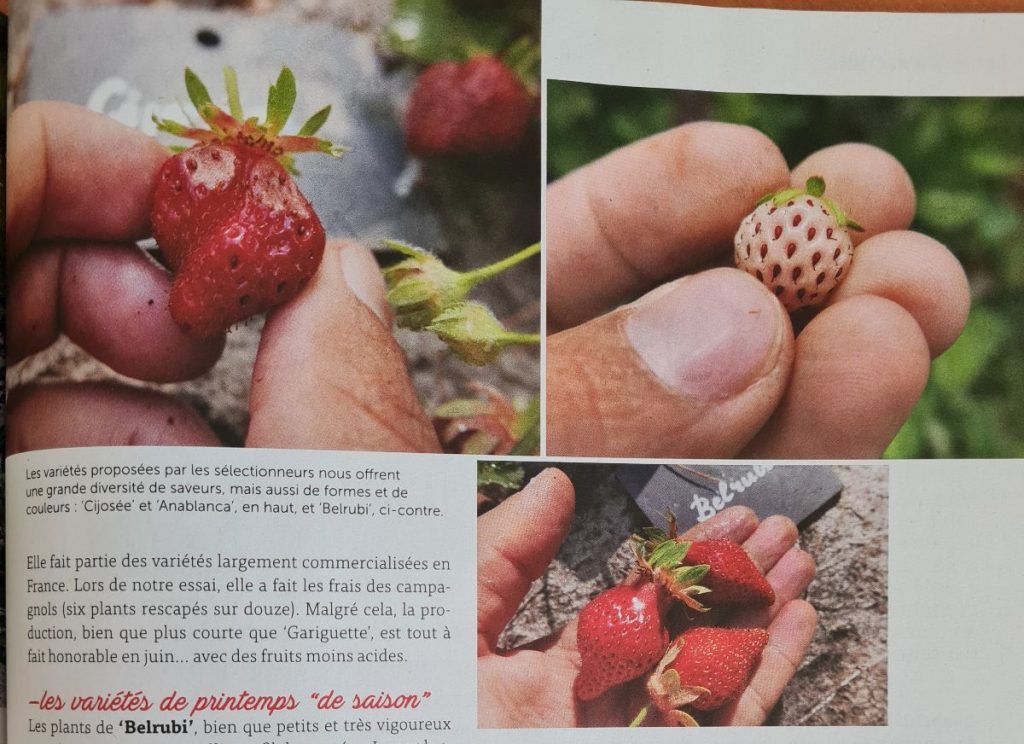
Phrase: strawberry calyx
(233, 127)
(660, 557)
(814, 186)
(667, 692)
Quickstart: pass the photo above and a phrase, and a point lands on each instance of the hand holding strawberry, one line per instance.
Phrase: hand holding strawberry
(228, 217)
(74, 269)
(534, 686)
(704, 361)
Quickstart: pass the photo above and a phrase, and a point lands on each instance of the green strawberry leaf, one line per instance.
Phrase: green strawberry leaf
(198, 94)
(280, 101)
(170, 126)
(668, 554)
(506, 474)
(528, 428)
(313, 123)
(234, 99)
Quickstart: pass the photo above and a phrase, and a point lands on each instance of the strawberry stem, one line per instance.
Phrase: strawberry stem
(640, 717)
(521, 338)
(474, 277)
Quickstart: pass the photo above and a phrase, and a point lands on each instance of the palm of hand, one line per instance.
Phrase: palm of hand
(533, 686)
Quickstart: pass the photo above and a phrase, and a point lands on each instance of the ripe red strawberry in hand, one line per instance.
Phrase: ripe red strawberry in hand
(475, 107)
(705, 668)
(621, 633)
(234, 228)
(620, 637)
(732, 576)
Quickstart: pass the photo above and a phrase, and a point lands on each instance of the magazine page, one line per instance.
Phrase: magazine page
(414, 371)
(261, 594)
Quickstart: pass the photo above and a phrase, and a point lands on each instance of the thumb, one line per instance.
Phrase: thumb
(692, 369)
(329, 374)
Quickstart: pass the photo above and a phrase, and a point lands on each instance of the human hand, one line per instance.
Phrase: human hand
(708, 365)
(328, 373)
(533, 686)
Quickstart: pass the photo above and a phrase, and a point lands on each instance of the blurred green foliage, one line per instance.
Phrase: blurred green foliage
(966, 158)
(429, 31)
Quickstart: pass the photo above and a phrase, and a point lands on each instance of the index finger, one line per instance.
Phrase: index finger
(76, 174)
(515, 543)
(80, 183)
(650, 211)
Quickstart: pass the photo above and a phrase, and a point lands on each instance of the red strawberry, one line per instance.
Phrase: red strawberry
(620, 637)
(621, 633)
(732, 576)
(476, 107)
(230, 221)
(705, 668)
(796, 242)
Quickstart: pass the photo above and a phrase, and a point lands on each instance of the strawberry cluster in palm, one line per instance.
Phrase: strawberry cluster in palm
(633, 631)
(229, 219)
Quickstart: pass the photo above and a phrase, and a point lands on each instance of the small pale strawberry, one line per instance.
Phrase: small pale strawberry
(797, 243)
(704, 669)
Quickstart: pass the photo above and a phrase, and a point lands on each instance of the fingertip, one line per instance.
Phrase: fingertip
(860, 367)
(558, 485)
(782, 528)
(799, 615)
(735, 523)
(56, 415)
(549, 498)
(918, 273)
(805, 564)
(54, 156)
(329, 373)
(113, 303)
(689, 370)
(33, 322)
(362, 273)
(872, 187)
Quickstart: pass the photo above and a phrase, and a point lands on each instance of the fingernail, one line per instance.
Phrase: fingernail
(708, 336)
(362, 274)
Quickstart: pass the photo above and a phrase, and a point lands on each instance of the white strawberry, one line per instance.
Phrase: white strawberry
(796, 242)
